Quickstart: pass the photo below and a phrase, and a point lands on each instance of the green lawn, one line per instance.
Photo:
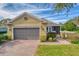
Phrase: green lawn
(58, 50)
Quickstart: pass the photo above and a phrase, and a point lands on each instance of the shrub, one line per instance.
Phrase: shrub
(43, 38)
(75, 41)
(9, 36)
(69, 26)
(6, 36)
(52, 40)
(51, 35)
(3, 37)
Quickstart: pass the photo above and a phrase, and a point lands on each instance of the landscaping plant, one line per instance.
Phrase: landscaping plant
(75, 41)
(3, 38)
(51, 36)
(43, 38)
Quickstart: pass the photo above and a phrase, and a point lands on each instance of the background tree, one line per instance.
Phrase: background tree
(63, 6)
(69, 26)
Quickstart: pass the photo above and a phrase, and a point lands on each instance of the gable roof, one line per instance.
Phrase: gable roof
(49, 23)
(26, 14)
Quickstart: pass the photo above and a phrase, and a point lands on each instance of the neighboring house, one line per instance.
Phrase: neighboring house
(3, 22)
(3, 25)
(3, 30)
(27, 26)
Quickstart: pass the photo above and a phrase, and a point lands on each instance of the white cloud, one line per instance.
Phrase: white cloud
(59, 21)
(4, 13)
(7, 14)
(13, 14)
(2, 5)
(34, 10)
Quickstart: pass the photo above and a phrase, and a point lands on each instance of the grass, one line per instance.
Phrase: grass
(58, 50)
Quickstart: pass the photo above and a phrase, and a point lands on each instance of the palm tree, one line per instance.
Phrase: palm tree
(63, 6)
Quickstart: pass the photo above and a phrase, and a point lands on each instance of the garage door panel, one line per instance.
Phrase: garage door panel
(26, 33)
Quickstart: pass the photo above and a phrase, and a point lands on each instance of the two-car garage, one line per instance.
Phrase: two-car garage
(26, 33)
(26, 26)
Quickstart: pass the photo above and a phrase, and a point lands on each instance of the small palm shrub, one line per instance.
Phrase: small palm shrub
(51, 37)
(43, 38)
(9, 36)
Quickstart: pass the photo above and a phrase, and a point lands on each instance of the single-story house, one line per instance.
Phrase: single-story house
(28, 26)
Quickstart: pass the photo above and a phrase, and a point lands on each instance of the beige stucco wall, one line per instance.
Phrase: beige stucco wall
(30, 22)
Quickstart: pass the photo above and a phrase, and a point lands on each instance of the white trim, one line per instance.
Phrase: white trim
(49, 29)
(12, 33)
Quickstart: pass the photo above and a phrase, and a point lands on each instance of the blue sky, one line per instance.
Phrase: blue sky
(41, 10)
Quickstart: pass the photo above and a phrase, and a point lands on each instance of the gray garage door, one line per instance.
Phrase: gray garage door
(26, 33)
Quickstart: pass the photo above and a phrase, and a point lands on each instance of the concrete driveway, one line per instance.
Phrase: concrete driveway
(19, 48)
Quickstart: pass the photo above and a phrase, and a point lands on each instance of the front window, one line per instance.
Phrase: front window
(53, 28)
(50, 29)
